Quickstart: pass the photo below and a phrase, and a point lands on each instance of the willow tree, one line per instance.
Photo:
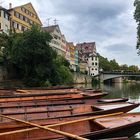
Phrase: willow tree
(137, 18)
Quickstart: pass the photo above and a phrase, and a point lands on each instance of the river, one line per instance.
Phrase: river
(131, 91)
(119, 90)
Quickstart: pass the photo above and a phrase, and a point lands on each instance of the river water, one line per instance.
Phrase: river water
(131, 91)
(119, 90)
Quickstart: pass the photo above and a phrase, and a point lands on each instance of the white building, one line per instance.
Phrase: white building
(4, 21)
(93, 64)
(58, 42)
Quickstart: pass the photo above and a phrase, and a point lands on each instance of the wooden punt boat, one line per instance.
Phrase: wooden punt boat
(56, 97)
(60, 111)
(41, 103)
(36, 91)
(118, 138)
(93, 128)
(53, 115)
(89, 90)
(113, 100)
(53, 87)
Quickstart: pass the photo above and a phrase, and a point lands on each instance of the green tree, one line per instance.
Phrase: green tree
(104, 63)
(114, 64)
(33, 60)
(124, 67)
(137, 18)
(133, 68)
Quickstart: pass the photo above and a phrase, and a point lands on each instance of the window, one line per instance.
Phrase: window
(92, 69)
(31, 22)
(6, 16)
(0, 25)
(0, 13)
(6, 28)
(27, 12)
(26, 19)
(17, 26)
(22, 28)
(92, 63)
(92, 58)
(21, 17)
(17, 15)
(23, 9)
(96, 63)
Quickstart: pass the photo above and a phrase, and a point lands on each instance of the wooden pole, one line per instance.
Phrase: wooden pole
(60, 124)
(46, 128)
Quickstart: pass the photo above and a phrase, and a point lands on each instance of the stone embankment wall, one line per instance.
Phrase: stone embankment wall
(81, 78)
(3, 74)
(78, 78)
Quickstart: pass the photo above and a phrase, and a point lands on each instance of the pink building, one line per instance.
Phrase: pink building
(89, 55)
(86, 49)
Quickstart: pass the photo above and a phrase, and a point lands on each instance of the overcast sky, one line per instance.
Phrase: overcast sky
(109, 23)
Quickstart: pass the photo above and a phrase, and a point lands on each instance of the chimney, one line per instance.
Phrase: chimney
(10, 5)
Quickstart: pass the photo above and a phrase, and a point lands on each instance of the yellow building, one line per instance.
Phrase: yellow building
(72, 55)
(23, 17)
(82, 66)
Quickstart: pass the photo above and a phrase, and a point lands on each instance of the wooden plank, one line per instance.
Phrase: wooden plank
(46, 128)
(60, 124)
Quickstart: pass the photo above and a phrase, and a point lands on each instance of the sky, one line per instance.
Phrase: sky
(109, 23)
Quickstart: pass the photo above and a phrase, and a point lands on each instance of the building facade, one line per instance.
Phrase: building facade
(83, 67)
(71, 47)
(4, 20)
(89, 56)
(63, 45)
(86, 49)
(93, 64)
(58, 42)
(23, 17)
(68, 56)
(76, 56)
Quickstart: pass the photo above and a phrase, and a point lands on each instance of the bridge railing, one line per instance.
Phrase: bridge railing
(121, 72)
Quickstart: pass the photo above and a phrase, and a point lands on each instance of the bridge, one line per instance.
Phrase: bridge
(110, 75)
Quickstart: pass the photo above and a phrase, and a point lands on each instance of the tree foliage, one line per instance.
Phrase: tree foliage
(33, 60)
(111, 65)
(107, 65)
(137, 18)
